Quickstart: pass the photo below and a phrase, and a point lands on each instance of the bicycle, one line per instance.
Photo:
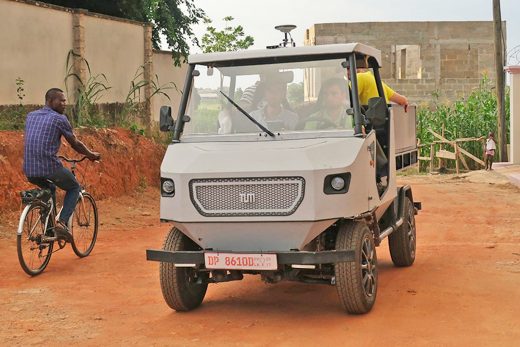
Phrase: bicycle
(35, 235)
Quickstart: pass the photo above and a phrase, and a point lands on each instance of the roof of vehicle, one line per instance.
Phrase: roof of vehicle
(284, 54)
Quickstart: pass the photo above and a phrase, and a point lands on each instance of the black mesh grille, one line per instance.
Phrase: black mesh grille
(265, 196)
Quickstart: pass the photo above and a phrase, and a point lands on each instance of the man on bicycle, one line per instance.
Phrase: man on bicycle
(43, 131)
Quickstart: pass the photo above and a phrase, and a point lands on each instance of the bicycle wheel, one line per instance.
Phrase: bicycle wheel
(84, 226)
(33, 254)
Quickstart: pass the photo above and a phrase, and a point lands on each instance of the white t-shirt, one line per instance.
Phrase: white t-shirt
(490, 145)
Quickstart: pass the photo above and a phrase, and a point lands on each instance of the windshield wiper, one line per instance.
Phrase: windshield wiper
(267, 131)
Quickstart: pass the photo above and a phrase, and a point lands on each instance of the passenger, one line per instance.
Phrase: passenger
(367, 88)
(332, 105)
(276, 114)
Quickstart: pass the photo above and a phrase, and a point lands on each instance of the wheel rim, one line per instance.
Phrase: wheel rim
(368, 267)
(83, 226)
(411, 234)
(34, 252)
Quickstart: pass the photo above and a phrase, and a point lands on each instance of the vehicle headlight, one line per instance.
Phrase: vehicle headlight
(337, 183)
(167, 187)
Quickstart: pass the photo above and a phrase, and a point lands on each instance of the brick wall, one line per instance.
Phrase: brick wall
(421, 59)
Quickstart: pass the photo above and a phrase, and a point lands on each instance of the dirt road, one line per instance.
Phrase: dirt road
(464, 288)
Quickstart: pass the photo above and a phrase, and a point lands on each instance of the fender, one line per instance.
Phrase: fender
(406, 192)
(22, 218)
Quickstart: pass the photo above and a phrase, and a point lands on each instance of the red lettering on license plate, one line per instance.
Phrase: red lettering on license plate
(237, 261)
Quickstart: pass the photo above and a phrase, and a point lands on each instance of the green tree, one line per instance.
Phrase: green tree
(171, 18)
(295, 93)
(228, 39)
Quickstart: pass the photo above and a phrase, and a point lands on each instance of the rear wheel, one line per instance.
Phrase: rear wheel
(402, 242)
(34, 253)
(356, 281)
(179, 285)
(84, 226)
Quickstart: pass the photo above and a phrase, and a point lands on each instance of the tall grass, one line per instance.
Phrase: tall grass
(87, 94)
(472, 116)
(135, 97)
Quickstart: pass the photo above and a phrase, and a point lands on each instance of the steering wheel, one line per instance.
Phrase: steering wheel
(322, 123)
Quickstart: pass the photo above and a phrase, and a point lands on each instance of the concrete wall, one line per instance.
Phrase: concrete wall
(35, 40)
(168, 74)
(34, 48)
(115, 49)
(451, 56)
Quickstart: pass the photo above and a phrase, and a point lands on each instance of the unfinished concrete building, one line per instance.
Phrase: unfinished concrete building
(422, 59)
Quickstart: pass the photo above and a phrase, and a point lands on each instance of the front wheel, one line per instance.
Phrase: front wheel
(182, 288)
(34, 252)
(84, 226)
(356, 281)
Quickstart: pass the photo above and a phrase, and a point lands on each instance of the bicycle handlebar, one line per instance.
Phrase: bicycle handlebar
(72, 160)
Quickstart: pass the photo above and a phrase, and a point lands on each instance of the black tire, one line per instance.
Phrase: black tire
(84, 226)
(178, 284)
(402, 242)
(30, 246)
(356, 282)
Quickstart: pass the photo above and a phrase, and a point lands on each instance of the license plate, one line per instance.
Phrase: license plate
(240, 261)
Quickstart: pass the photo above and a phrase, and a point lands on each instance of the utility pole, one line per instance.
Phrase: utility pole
(500, 84)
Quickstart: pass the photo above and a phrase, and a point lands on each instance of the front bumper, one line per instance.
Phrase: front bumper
(283, 258)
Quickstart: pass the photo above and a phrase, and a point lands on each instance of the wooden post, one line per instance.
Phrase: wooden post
(432, 157)
(500, 86)
(441, 146)
(463, 161)
(456, 157)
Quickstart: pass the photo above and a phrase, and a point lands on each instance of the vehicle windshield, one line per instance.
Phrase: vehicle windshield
(283, 98)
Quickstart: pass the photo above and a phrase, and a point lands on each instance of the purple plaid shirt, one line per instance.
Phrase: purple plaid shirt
(43, 131)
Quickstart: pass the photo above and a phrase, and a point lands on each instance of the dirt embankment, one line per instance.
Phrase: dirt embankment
(129, 161)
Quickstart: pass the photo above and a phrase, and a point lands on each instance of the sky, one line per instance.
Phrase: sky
(259, 17)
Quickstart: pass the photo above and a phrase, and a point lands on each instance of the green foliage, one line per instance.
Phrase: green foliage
(206, 119)
(473, 116)
(12, 117)
(136, 129)
(228, 39)
(171, 18)
(295, 94)
(87, 94)
(20, 90)
(134, 97)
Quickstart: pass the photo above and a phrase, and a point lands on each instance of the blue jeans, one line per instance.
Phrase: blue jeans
(65, 180)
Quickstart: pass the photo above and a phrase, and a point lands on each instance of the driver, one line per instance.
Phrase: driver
(332, 105)
(276, 114)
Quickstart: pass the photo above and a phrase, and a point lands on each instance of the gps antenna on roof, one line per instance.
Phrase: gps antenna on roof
(286, 29)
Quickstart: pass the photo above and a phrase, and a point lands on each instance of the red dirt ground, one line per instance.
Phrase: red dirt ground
(128, 161)
(462, 290)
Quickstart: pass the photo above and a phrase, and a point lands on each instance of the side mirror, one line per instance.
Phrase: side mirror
(165, 119)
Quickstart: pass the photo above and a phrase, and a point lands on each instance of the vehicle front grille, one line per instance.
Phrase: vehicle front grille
(265, 196)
